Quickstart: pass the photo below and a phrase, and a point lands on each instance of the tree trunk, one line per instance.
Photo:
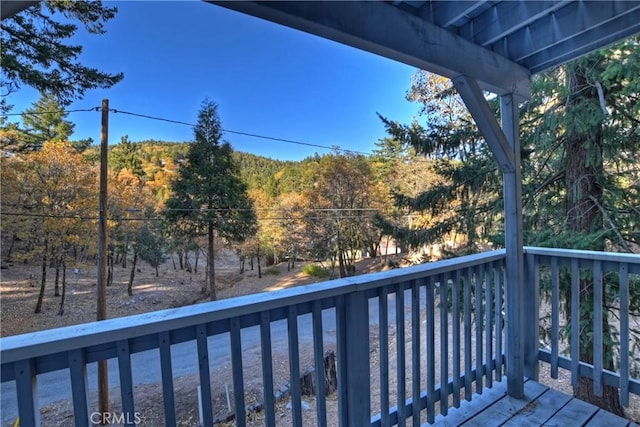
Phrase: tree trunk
(43, 281)
(212, 275)
(133, 272)
(64, 288)
(7, 257)
(56, 282)
(258, 260)
(341, 264)
(110, 267)
(187, 263)
(125, 249)
(583, 177)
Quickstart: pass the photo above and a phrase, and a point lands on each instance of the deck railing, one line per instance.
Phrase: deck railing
(410, 343)
(594, 287)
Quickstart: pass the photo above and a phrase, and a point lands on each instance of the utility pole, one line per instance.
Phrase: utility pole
(103, 369)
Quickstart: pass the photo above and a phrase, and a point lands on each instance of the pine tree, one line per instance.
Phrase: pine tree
(582, 190)
(45, 121)
(35, 51)
(581, 186)
(208, 196)
(126, 155)
(461, 197)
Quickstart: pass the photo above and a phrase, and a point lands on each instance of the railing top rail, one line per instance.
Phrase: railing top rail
(581, 254)
(35, 344)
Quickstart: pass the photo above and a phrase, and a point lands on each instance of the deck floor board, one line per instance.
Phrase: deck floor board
(535, 414)
(505, 408)
(541, 406)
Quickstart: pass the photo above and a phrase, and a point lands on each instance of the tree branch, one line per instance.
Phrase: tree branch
(613, 226)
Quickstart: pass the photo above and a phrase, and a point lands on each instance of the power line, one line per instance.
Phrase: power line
(35, 215)
(253, 135)
(267, 209)
(179, 122)
(146, 116)
(274, 218)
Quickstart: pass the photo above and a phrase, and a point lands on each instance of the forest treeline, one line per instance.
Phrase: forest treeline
(51, 194)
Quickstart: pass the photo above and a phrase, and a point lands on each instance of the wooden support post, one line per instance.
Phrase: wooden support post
(517, 315)
(505, 145)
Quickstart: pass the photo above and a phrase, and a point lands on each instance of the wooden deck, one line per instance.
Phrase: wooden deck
(541, 406)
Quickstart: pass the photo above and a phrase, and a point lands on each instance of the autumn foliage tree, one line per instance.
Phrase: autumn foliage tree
(129, 202)
(295, 241)
(344, 204)
(56, 198)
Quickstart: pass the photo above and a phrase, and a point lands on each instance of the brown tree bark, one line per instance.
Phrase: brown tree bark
(258, 259)
(110, 257)
(43, 281)
(64, 288)
(133, 273)
(212, 275)
(583, 176)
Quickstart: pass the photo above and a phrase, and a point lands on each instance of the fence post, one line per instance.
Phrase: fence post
(531, 312)
(27, 392)
(353, 360)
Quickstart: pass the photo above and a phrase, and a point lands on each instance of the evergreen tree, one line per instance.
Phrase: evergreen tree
(464, 182)
(580, 144)
(35, 52)
(582, 190)
(126, 155)
(82, 145)
(45, 121)
(208, 195)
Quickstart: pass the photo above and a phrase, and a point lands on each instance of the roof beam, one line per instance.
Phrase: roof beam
(384, 29)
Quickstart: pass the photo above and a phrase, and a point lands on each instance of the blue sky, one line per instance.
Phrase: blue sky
(266, 79)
